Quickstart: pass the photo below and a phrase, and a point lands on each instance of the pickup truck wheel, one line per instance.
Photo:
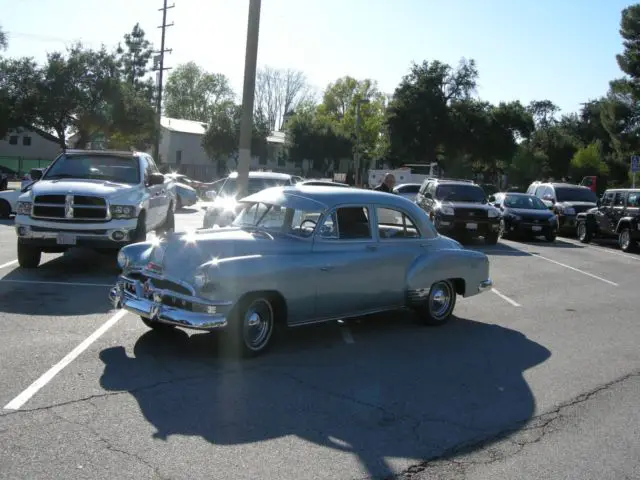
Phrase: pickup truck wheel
(550, 237)
(140, 233)
(439, 305)
(28, 256)
(5, 209)
(251, 326)
(625, 241)
(157, 326)
(584, 235)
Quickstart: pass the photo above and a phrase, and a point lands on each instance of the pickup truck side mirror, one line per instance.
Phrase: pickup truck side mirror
(155, 179)
(35, 174)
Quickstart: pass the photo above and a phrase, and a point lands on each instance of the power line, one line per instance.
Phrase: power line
(158, 65)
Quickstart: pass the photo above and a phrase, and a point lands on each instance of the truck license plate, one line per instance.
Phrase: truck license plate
(66, 239)
(536, 229)
(472, 226)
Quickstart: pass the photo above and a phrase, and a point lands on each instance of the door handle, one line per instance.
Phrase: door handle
(326, 268)
(372, 248)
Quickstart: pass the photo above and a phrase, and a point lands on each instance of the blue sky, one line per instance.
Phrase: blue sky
(561, 50)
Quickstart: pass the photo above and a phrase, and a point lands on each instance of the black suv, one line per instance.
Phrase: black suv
(617, 215)
(565, 200)
(459, 208)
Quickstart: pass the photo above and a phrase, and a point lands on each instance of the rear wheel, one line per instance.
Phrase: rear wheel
(550, 237)
(491, 238)
(439, 305)
(28, 256)
(584, 235)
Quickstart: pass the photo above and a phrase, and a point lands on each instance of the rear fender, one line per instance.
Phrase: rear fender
(628, 222)
(469, 265)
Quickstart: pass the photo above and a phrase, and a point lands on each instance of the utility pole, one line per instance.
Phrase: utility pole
(158, 66)
(248, 93)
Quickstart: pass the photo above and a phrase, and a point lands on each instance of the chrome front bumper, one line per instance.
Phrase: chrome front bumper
(485, 285)
(147, 302)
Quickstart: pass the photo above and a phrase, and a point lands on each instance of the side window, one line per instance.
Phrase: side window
(352, 224)
(146, 169)
(432, 189)
(618, 200)
(395, 224)
(539, 192)
(607, 199)
(634, 200)
(152, 165)
(424, 187)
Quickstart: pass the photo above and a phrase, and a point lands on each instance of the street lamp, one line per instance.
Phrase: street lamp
(359, 102)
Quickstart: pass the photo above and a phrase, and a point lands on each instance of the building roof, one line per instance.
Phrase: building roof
(276, 137)
(183, 126)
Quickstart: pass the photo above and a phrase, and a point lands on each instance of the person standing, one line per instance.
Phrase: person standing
(387, 184)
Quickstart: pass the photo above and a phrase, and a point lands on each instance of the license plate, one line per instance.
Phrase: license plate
(536, 229)
(472, 226)
(66, 239)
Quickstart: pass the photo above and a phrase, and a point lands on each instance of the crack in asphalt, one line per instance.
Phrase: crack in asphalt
(541, 424)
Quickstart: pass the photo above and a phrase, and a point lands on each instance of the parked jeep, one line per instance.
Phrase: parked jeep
(617, 214)
(97, 199)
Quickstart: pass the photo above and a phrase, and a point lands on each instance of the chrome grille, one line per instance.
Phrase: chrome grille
(70, 207)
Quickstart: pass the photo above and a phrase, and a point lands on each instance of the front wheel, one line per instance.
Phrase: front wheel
(252, 326)
(491, 238)
(584, 235)
(169, 225)
(5, 209)
(28, 256)
(550, 237)
(625, 241)
(440, 304)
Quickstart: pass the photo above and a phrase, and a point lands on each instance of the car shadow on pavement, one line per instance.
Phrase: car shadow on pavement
(399, 390)
(9, 222)
(76, 283)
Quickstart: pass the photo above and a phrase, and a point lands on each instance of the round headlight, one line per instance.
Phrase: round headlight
(123, 260)
(200, 279)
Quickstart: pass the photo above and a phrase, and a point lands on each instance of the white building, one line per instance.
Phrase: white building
(181, 142)
(25, 148)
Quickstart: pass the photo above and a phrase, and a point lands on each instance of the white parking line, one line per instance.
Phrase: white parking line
(8, 264)
(575, 269)
(505, 298)
(43, 282)
(32, 389)
(602, 249)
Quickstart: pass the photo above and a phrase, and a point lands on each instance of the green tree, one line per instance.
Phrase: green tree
(20, 80)
(134, 57)
(418, 116)
(194, 94)
(222, 138)
(588, 161)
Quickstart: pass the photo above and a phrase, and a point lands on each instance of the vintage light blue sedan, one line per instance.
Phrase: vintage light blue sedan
(298, 255)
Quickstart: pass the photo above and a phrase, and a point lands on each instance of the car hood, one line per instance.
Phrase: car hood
(182, 254)
(78, 187)
(531, 213)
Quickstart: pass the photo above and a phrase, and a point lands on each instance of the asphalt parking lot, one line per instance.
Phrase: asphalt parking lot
(536, 379)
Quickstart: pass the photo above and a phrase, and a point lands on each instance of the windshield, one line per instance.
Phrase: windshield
(99, 167)
(407, 188)
(230, 187)
(525, 202)
(461, 193)
(277, 219)
(565, 194)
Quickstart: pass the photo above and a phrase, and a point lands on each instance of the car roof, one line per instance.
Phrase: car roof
(325, 197)
(409, 184)
(273, 175)
(111, 153)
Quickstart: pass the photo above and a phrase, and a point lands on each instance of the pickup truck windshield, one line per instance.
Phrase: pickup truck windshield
(110, 168)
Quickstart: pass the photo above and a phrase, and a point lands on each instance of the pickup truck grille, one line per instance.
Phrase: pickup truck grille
(70, 207)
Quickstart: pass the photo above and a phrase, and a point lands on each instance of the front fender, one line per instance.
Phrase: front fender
(469, 265)
(624, 221)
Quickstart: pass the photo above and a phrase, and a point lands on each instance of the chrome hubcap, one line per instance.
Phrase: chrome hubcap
(258, 324)
(440, 299)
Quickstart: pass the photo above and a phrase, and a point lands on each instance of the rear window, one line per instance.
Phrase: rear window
(566, 194)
